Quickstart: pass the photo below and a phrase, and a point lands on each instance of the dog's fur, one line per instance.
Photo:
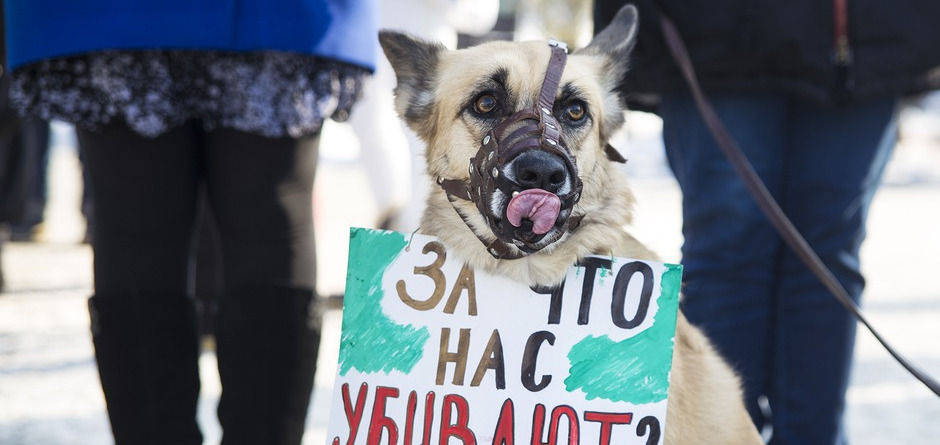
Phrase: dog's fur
(435, 95)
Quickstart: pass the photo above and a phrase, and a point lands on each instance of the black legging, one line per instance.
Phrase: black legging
(146, 203)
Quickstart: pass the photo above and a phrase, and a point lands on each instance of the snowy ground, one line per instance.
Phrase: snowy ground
(49, 392)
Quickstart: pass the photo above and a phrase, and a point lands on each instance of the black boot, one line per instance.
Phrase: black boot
(267, 342)
(147, 352)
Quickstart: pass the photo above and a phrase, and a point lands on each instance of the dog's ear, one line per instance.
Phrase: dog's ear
(415, 63)
(616, 41)
(613, 46)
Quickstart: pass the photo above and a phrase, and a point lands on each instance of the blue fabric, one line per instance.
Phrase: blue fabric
(765, 311)
(341, 29)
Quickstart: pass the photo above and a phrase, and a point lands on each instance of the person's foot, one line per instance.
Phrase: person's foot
(3, 237)
(27, 234)
(88, 238)
(388, 219)
(1, 263)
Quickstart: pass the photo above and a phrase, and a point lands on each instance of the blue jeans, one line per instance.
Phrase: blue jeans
(767, 314)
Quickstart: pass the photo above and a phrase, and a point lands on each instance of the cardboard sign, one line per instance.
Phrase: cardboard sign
(433, 352)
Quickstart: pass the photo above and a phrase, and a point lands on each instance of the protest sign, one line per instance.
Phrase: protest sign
(434, 352)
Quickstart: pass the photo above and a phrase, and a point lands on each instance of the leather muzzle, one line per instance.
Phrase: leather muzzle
(528, 129)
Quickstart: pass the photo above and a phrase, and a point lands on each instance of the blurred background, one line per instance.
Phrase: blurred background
(49, 390)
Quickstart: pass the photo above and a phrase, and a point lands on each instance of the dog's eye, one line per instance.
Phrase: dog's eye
(575, 111)
(484, 104)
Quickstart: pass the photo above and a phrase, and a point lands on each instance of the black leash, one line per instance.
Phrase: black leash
(767, 203)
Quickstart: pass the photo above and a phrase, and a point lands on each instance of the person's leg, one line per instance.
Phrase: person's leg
(87, 204)
(143, 321)
(730, 251)
(836, 159)
(384, 152)
(148, 187)
(260, 190)
(35, 140)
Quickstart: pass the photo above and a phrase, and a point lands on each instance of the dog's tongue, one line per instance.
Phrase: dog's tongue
(539, 206)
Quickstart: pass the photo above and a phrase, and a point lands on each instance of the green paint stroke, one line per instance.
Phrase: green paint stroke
(371, 341)
(635, 370)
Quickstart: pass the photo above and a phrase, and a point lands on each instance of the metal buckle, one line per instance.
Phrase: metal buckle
(558, 44)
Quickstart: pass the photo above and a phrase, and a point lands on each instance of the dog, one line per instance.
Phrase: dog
(543, 189)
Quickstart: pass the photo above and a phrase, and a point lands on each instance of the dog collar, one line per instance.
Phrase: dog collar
(528, 129)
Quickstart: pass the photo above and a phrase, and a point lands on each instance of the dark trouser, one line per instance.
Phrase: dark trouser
(764, 310)
(24, 159)
(146, 207)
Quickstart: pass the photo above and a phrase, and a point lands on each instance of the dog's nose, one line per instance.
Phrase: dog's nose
(539, 169)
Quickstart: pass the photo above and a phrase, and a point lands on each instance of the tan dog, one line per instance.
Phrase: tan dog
(551, 194)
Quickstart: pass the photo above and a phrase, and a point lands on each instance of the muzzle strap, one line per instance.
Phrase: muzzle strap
(556, 65)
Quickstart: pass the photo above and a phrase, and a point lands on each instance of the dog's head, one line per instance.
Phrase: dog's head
(516, 132)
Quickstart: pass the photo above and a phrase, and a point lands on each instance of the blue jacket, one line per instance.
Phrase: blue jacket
(341, 29)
